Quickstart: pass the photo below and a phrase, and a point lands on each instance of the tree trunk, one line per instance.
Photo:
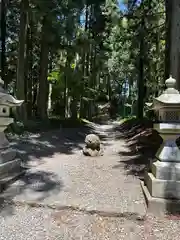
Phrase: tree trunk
(66, 97)
(74, 109)
(175, 41)
(30, 65)
(50, 87)
(66, 88)
(3, 40)
(49, 100)
(141, 84)
(82, 113)
(20, 87)
(43, 84)
(109, 88)
(168, 4)
(83, 104)
(92, 80)
(162, 80)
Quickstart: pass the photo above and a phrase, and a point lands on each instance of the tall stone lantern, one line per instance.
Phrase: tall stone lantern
(161, 186)
(10, 165)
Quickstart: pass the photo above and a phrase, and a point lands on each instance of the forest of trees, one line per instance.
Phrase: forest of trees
(65, 57)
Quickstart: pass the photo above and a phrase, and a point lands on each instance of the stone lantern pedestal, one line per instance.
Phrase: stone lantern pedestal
(161, 186)
(10, 164)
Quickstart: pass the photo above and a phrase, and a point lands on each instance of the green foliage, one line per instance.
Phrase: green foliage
(124, 120)
(54, 76)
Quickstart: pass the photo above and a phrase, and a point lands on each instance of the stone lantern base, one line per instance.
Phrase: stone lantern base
(160, 206)
(161, 185)
(10, 165)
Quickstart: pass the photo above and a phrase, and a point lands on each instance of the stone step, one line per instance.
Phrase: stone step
(166, 170)
(10, 167)
(158, 188)
(8, 180)
(160, 206)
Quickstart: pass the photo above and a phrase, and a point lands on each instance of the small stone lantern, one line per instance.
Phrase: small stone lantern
(10, 165)
(162, 184)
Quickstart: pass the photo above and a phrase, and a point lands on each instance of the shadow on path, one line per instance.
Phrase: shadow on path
(142, 142)
(42, 182)
(46, 144)
(38, 148)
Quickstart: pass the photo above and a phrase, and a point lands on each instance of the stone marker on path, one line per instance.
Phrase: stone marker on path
(162, 183)
(10, 165)
(93, 146)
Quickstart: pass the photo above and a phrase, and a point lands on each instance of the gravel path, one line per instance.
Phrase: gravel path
(82, 182)
(45, 224)
(68, 196)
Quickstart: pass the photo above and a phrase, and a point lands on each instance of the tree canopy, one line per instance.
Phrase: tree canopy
(65, 57)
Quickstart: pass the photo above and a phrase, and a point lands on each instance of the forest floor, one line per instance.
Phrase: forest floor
(65, 195)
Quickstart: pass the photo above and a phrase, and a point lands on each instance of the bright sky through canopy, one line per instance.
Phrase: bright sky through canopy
(122, 6)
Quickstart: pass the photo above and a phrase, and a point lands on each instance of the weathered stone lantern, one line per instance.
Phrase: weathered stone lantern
(162, 184)
(10, 165)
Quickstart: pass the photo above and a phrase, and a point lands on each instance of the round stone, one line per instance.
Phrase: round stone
(92, 152)
(92, 141)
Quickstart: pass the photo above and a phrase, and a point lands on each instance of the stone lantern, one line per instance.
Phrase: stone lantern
(10, 165)
(161, 186)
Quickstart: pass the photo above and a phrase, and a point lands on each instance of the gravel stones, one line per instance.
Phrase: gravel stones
(28, 223)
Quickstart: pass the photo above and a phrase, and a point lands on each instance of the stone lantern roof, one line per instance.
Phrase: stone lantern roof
(169, 97)
(7, 99)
